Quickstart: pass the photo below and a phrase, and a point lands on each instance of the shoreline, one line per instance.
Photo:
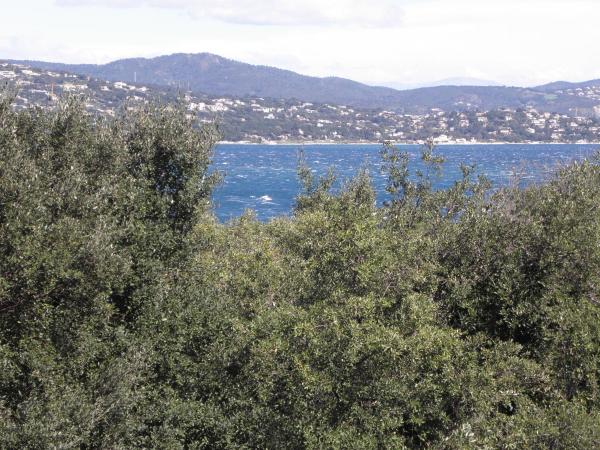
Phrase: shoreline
(437, 144)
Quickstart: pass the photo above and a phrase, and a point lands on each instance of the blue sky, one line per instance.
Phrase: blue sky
(516, 42)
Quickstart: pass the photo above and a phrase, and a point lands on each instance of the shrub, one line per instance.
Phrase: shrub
(131, 318)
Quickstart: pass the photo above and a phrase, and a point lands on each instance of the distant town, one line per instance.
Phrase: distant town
(264, 120)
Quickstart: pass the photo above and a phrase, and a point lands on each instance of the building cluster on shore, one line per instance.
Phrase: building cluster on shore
(283, 120)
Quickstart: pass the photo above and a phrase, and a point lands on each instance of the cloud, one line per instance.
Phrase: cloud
(366, 13)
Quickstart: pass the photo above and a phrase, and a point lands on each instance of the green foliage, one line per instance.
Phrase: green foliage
(85, 228)
(131, 318)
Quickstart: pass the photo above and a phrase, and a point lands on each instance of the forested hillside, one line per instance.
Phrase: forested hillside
(131, 318)
(205, 73)
(288, 121)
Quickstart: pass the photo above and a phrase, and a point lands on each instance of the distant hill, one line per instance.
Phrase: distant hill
(463, 81)
(214, 75)
(455, 81)
(255, 119)
(565, 85)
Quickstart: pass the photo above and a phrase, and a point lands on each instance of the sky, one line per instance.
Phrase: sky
(384, 42)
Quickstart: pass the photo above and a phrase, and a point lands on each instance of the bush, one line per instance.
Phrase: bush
(131, 318)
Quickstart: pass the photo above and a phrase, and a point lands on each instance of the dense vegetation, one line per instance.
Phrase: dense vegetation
(131, 318)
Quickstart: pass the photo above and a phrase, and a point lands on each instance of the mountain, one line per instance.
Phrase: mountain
(566, 85)
(455, 81)
(285, 120)
(214, 75)
(463, 81)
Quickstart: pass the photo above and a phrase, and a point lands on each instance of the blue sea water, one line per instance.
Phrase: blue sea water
(263, 177)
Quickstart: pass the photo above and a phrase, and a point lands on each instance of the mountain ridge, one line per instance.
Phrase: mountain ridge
(212, 74)
(289, 121)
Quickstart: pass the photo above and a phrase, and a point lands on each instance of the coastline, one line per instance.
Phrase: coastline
(439, 144)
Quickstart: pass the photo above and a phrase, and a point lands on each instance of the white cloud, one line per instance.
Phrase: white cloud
(508, 41)
(364, 13)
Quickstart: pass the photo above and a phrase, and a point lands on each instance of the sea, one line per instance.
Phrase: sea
(263, 178)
